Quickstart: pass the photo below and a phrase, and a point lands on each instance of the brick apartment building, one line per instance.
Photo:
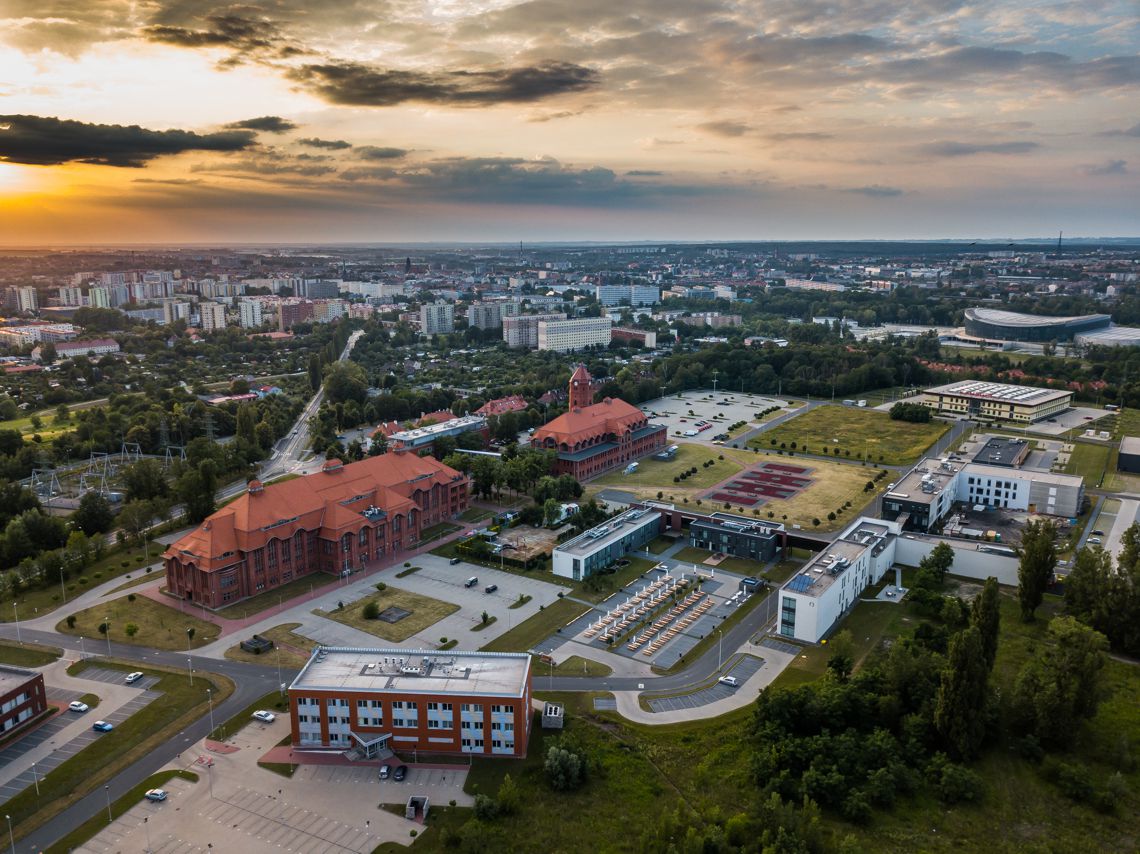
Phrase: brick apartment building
(368, 701)
(22, 698)
(341, 518)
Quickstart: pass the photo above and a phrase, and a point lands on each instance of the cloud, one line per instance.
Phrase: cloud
(247, 38)
(726, 128)
(269, 124)
(356, 84)
(272, 162)
(953, 148)
(373, 152)
(1132, 131)
(172, 182)
(644, 173)
(875, 191)
(555, 116)
(798, 136)
(314, 142)
(45, 141)
(1109, 167)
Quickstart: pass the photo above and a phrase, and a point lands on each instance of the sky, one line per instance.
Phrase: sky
(297, 121)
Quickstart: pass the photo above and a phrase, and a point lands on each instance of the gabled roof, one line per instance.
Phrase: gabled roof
(331, 499)
(512, 403)
(599, 419)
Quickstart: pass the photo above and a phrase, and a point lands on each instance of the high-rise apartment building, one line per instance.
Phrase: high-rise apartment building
(213, 316)
(563, 336)
(522, 330)
(249, 312)
(27, 299)
(632, 295)
(436, 318)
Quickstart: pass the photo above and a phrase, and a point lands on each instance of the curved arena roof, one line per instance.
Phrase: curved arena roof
(1013, 326)
(1014, 318)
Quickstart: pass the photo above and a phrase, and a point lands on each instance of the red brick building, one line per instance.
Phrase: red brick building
(342, 518)
(367, 701)
(593, 438)
(22, 698)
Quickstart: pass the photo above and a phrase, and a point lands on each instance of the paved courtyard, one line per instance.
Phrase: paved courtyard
(673, 411)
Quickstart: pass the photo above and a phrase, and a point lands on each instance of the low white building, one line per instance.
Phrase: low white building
(599, 547)
(564, 336)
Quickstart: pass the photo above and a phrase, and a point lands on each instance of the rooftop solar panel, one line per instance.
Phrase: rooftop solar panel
(800, 584)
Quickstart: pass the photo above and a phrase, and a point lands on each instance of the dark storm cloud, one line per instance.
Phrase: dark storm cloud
(269, 124)
(247, 38)
(356, 84)
(375, 152)
(333, 144)
(726, 128)
(953, 148)
(875, 191)
(47, 141)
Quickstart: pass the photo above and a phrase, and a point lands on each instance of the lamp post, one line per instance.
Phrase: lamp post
(62, 588)
(107, 623)
(107, 792)
(210, 699)
(17, 615)
(189, 657)
(11, 838)
(36, 777)
(82, 650)
(719, 645)
(146, 827)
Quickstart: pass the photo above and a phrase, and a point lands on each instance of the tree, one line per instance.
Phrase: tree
(196, 489)
(1035, 569)
(315, 372)
(1108, 599)
(1062, 683)
(509, 797)
(841, 660)
(145, 480)
(371, 611)
(346, 381)
(94, 514)
(104, 628)
(62, 414)
(564, 770)
(960, 708)
(131, 629)
(135, 518)
(985, 616)
(245, 424)
(938, 562)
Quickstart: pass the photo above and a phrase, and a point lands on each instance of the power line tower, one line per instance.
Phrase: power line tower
(208, 425)
(94, 477)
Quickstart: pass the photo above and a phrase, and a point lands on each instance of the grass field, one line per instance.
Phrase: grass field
(159, 626)
(264, 601)
(292, 648)
(27, 654)
(733, 564)
(158, 722)
(1089, 461)
(537, 628)
(858, 431)
(654, 475)
(425, 612)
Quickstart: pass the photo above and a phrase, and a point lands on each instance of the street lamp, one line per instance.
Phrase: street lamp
(107, 623)
(17, 615)
(36, 777)
(210, 699)
(107, 792)
(189, 657)
(82, 651)
(11, 838)
(146, 827)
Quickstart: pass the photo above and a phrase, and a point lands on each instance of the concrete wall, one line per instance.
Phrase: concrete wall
(968, 561)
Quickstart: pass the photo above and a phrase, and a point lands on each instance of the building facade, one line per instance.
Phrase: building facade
(249, 312)
(646, 338)
(1129, 458)
(599, 547)
(995, 324)
(738, 536)
(975, 399)
(22, 698)
(437, 318)
(521, 330)
(212, 316)
(422, 439)
(565, 336)
(341, 519)
(485, 315)
(631, 295)
(591, 439)
(293, 312)
(370, 700)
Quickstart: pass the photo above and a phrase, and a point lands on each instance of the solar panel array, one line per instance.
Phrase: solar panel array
(800, 584)
(1000, 391)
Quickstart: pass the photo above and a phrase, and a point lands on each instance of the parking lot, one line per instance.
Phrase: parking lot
(740, 667)
(673, 412)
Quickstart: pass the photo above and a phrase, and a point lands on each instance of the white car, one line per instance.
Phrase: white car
(264, 716)
(134, 677)
(1095, 540)
(155, 795)
(731, 681)
(77, 706)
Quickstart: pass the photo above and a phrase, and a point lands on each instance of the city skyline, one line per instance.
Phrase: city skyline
(544, 121)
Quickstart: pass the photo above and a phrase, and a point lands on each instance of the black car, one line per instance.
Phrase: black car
(400, 773)
(490, 588)
(1098, 533)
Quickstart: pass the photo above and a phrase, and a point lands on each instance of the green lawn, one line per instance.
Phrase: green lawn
(159, 626)
(155, 724)
(475, 514)
(27, 654)
(741, 565)
(575, 665)
(657, 475)
(114, 563)
(265, 601)
(425, 612)
(292, 648)
(598, 587)
(1089, 461)
(537, 628)
(660, 545)
(436, 532)
(858, 431)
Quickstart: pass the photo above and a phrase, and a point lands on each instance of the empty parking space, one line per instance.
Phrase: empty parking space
(742, 668)
(779, 645)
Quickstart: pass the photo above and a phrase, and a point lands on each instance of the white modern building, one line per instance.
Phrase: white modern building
(977, 399)
(522, 330)
(437, 318)
(631, 295)
(27, 299)
(250, 313)
(176, 310)
(564, 336)
(598, 547)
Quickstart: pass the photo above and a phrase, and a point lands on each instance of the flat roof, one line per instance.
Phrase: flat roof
(1130, 445)
(740, 524)
(1015, 318)
(609, 532)
(934, 473)
(817, 574)
(12, 678)
(1053, 477)
(1017, 394)
(1001, 451)
(405, 671)
(467, 422)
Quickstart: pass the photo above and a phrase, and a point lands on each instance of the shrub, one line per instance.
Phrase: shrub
(957, 784)
(130, 597)
(371, 611)
(71, 621)
(381, 586)
(815, 522)
(407, 563)
(485, 808)
(131, 629)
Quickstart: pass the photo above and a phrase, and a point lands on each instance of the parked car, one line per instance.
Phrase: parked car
(400, 773)
(1098, 533)
(472, 581)
(102, 726)
(264, 716)
(134, 677)
(1096, 541)
(155, 795)
(385, 772)
(731, 681)
(77, 706)
(454, 561)
(490, 588)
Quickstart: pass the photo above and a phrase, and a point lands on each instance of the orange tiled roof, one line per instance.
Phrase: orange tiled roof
(512, 403)
(321, 501)
(588, 422)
